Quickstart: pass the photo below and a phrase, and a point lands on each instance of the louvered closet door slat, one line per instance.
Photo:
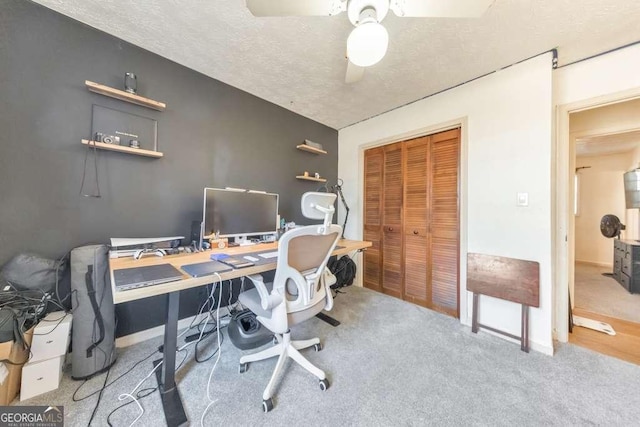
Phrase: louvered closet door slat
(416, 208)
(444, 221)
(372, 258)
(392, 221)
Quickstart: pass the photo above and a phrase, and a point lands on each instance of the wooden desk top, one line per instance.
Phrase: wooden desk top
(188, 282)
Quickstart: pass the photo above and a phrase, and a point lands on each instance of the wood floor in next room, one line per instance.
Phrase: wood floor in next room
(624, 345)
(601, 298)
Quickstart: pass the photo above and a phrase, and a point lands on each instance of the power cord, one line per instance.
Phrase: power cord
(219, 352)
(75, 399)
(149, 391)
(95, 408)
(137, 398)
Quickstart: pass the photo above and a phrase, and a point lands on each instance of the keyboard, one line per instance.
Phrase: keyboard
(268, 255)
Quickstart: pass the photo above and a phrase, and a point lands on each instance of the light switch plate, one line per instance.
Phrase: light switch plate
(523, 199)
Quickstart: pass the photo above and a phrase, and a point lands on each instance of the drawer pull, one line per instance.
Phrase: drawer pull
(390, 228)
(49, 342)
(41, 378)
(415, 232)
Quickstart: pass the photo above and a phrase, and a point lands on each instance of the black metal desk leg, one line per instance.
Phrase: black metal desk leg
(166, 376)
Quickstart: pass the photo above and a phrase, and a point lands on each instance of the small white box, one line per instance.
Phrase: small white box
(51, 336)
(40, 377)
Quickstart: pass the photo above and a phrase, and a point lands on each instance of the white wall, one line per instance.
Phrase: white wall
(614, 118)
(600, 76)
(601, 192)
(506, 122)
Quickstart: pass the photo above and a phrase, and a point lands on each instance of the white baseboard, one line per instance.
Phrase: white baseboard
(158, 331)
(595, 263)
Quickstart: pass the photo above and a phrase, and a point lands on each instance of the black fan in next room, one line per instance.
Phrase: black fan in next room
(610, 226)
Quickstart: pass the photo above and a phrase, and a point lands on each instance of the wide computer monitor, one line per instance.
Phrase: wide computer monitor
(239, 214)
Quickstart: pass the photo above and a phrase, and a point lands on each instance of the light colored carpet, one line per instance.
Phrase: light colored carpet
(390, 363)
(603, 295)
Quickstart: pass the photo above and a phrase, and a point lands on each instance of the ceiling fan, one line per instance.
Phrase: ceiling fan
(367, 44)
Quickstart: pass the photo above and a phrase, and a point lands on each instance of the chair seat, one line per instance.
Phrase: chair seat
(251, 300)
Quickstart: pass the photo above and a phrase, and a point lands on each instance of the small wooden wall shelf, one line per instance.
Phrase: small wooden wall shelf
(310, 149)
(123, 149)
(311, 178)
(125, 96)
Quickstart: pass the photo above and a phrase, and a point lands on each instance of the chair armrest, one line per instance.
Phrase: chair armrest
(267, 301)
(328, 279)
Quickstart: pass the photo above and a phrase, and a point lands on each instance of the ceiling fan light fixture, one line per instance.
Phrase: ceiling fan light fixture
(367, 44)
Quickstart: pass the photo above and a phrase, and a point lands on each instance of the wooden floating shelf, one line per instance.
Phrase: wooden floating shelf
(310, 149)
(125, 96)
(311, 178)
(123, 149)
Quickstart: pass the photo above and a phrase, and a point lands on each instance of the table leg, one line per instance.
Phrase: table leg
(524, 334)
(474, 314)
(166, 376)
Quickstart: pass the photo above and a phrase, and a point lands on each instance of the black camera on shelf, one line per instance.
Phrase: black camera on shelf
(107, 139)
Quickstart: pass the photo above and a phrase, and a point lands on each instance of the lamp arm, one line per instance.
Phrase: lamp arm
(338, 189)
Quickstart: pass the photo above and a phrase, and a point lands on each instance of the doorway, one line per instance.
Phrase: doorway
(605, 143)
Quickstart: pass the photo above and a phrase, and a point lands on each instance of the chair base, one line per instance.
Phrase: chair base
(285, 348)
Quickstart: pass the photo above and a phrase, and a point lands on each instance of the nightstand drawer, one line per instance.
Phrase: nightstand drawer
(625, 281)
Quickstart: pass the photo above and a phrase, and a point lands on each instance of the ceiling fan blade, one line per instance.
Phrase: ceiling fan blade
(296, 7)
(440, 8)
(354, 73)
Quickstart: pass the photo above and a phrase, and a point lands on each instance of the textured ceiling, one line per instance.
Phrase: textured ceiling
(298, 62)
(607, 144)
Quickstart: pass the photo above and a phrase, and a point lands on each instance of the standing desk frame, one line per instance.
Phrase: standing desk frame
(171, 401)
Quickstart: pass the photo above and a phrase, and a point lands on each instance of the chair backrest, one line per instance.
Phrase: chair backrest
(303, 254)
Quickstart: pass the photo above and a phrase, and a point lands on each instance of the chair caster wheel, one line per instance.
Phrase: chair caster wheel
(317, 347)
(244, 367)
(267, 405)
(324, 384)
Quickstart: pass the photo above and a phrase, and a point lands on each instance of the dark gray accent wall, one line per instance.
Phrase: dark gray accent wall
(211, 134)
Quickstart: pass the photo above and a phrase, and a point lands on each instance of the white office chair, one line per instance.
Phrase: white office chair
(300, 290)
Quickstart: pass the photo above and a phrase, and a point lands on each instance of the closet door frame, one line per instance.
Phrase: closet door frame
(463, 305)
